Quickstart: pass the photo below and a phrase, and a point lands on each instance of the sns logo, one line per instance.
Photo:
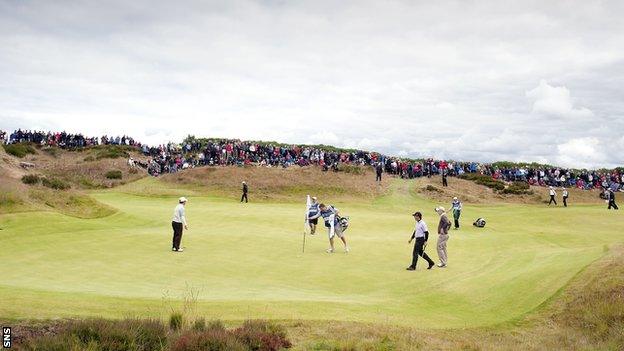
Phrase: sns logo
(6, 337)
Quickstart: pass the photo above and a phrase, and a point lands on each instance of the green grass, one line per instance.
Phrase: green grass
(245, 261)
(19, 150)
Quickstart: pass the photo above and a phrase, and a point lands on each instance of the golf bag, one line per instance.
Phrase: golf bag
(344, 223)
(479, 223)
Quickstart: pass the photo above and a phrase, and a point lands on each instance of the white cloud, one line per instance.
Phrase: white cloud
(581, 152)
(555, 101)
(444, 79)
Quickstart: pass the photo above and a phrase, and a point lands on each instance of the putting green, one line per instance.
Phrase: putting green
(245, 261)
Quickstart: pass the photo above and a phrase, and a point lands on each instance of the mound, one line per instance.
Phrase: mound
(278, 183)
(62, 169)
(470, 192)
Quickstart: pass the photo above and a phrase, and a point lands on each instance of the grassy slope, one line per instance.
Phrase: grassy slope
(245, 261)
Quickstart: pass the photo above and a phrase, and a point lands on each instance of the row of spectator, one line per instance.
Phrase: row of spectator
(170, 158)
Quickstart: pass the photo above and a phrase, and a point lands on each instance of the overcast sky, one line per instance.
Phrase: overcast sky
(471, 80)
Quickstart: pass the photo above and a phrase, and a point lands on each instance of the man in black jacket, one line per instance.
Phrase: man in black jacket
(245, 189)
(612, 203)
(421, 234)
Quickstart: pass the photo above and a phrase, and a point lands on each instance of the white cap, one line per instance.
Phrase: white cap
(439, 209)
(182, 199)
(243, 182)
(313, 197)
(455, 198)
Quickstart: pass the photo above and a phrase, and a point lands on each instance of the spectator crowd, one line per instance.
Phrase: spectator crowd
(170, 158)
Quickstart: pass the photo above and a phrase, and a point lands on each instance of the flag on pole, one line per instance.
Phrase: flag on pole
(306, 223)
(307, 210)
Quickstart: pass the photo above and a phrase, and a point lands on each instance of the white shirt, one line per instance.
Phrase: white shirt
(552, 192)
(565, 193)
(420, 229)
(178, 214)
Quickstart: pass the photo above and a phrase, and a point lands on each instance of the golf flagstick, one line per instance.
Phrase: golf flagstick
(306, 223)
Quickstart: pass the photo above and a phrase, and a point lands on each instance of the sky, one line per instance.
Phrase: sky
(466, 80)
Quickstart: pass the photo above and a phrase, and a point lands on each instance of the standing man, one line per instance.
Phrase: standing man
(245, 189)
(378, 171)
(332, 222)
(456, 208)
(552, 196)
(179, 221)
(444, 175)
(443, 226)
(565, 197)
(611, 195)
(421, 234)
(313, 215)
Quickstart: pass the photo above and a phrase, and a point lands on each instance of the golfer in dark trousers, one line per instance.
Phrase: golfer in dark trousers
(378, 171)
(421, 234)
(178, 222)
(245, 189)
(565, 197)
(612, 203)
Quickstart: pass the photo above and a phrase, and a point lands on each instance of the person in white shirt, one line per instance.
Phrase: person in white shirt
(178, 222)
(421, 234)
(565, 197)
(552, 196)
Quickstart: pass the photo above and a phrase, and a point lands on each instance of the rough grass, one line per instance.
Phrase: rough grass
(55, 183)
(71, 203)
(273, 183)
(112, 151)
(19, 150)
(31, 179)
(470, 192)
(150, 335)
(113, 174)
(484, 180)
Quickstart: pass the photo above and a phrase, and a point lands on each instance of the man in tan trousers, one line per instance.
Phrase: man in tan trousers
(443, 227)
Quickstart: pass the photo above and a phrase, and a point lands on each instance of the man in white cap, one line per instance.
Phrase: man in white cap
(314, 212)
(179, 221)
(552, 194)
(456, 207)
(443, 226)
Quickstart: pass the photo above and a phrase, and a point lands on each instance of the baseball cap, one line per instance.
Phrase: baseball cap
(182, 199)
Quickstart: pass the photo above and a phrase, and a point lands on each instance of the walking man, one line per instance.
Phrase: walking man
(456, 208)
(421, 234)
(313, 215)
(552, 196)
(332, 222)
(179, 221)
(565, 197)
(245, 189)
(443, 226)
(378, 171)
(611, 195)
(444, 175)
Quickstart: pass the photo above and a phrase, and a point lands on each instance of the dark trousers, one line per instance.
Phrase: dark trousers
(378, 177)
(565, 201)
(244, 197)
(444, 182)
(177, 234)
(552, 199)
(612, 204)
(419, 250)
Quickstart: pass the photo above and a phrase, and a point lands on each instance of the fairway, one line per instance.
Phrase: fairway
(245, 261)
